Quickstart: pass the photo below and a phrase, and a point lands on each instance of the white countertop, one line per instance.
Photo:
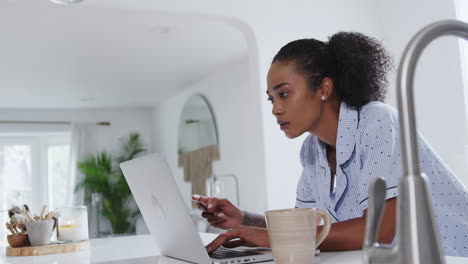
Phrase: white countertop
(142, 250)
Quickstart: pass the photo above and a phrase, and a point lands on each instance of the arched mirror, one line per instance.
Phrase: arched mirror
(198, 143)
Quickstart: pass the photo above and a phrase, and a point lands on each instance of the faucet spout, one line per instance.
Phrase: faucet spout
(417, 238)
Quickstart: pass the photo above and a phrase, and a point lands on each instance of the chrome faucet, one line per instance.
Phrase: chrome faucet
(417, 238)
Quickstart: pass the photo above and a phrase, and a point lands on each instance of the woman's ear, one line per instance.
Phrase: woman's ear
(327, 87)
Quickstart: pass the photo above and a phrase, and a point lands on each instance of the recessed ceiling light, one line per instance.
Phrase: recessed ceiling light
(66, 2)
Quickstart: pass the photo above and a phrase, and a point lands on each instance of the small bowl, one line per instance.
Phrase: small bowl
(18, 240)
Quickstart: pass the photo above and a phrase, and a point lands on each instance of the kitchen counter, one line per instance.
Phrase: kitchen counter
(142, 249)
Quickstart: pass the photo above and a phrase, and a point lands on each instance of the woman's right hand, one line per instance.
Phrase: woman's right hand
(220, 213)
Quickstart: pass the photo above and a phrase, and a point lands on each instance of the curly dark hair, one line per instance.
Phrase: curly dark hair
(358, 65)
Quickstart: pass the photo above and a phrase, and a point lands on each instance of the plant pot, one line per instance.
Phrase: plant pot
(18, 240)
(40, 232)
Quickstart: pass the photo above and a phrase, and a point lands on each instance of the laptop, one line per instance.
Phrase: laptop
(168, 218)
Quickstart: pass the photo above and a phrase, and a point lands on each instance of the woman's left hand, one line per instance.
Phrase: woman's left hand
(244, 236)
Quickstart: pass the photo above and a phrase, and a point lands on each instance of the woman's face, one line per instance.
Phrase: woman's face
(296, 107)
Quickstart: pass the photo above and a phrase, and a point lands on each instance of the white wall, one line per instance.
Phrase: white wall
(237, 112)
(439, 93)
(268, 25)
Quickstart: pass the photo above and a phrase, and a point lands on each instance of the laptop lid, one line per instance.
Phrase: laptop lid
(163, 208)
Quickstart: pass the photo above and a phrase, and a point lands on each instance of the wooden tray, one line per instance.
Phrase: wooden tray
(47, 250)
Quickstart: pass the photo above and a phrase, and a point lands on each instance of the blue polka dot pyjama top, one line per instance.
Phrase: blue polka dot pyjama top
(368, 146)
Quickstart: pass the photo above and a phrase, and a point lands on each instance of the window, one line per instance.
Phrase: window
(34, 170)
(58, 161)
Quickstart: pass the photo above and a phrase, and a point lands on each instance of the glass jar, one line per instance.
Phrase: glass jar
(72, 224)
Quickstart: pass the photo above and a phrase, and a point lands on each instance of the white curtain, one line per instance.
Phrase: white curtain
(82, 144)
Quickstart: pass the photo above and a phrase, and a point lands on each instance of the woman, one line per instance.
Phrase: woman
(334, 91)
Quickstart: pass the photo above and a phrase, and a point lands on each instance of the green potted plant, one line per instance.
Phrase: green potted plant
(102, 175)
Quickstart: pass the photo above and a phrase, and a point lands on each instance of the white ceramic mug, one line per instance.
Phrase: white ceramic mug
(293, 234)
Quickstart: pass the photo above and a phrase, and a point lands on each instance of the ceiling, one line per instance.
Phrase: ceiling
(79, 56)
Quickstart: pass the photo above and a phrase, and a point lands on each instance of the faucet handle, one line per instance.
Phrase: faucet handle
(373, 251)
(375, 207)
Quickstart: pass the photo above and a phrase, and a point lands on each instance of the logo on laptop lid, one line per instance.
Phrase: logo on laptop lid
(158, 209)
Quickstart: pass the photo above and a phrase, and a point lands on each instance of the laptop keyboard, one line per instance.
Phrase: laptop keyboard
(224, 253)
